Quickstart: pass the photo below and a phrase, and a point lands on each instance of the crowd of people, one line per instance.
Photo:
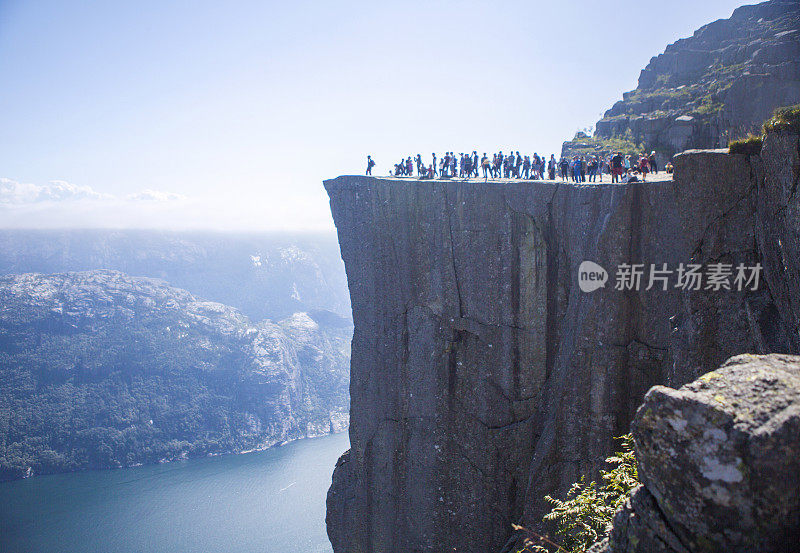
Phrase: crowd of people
(621, 168)
(584, 168)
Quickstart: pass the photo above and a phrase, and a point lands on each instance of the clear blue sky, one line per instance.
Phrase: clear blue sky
(248, 105)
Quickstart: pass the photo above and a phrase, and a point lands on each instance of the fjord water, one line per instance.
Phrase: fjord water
(270, 501)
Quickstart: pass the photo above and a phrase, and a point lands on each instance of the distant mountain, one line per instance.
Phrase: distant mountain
(708, 89)
(266, 276)
(101, 369)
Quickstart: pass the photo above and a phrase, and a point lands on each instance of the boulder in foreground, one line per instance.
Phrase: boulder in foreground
(720, 462)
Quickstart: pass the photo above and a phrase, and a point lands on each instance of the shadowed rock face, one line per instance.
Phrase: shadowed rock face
(483, 378)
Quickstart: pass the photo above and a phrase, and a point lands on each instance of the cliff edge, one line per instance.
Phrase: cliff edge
(483, 378)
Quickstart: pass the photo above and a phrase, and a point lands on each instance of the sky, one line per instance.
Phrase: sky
(229, 115)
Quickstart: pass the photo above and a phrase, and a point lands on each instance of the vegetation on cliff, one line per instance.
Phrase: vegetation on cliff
(585, 516)
(584, 145)
(750, 146)
(784, 119)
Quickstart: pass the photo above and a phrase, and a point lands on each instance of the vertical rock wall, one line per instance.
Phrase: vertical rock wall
(482, 378)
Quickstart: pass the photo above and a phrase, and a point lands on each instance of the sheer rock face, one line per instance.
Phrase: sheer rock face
(714, 86)
(720, 463)
(483, 378)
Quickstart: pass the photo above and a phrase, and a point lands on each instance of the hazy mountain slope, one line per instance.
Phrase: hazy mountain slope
(263, 275)
(101, 369)
(707, 89)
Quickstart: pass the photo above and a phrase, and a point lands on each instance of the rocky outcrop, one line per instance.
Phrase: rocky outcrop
(100, 369)
(483, 378)
(710, 88)
(720, 463)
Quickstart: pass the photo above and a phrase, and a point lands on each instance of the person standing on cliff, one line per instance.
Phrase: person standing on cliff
(652, 162)
(435, 168)
(485, 166)
(643, 167)
(616, 167)
(370, 165)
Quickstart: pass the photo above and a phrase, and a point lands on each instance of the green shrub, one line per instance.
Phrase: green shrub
(586, 515)
(708, 106)
(784, 119)
(750, 146)
(596, 145)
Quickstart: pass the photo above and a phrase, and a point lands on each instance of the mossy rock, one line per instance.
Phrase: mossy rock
(750, 146)
(784, 119)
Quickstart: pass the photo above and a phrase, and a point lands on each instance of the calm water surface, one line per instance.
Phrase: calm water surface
(267, 502)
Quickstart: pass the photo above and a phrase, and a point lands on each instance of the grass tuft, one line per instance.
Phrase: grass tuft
(750, 146)
(784, 119)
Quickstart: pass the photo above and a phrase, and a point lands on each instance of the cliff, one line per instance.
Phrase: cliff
(483, 378)
(707, 89)
(100, 369)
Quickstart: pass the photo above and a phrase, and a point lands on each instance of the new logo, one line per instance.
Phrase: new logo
(591, 276)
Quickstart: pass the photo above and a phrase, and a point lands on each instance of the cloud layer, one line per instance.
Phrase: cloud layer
(19, 193)
(60, 204)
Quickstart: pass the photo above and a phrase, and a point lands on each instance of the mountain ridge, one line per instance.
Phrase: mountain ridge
(265, 275)
(706, 90)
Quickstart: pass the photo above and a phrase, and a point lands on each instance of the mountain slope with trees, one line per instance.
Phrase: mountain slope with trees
(100, 369)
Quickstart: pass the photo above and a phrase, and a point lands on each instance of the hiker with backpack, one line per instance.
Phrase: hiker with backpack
(370, 165)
